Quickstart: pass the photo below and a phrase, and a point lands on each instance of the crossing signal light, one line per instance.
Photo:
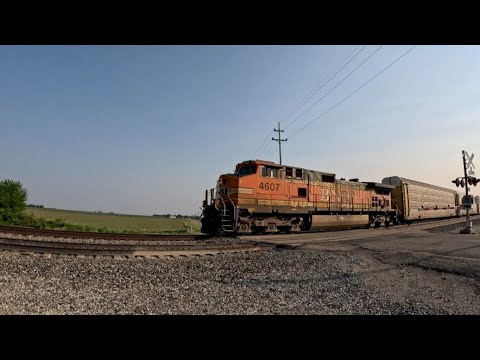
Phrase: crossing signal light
(473, 180)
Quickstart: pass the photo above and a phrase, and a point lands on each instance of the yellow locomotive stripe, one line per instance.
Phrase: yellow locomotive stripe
(241, 190)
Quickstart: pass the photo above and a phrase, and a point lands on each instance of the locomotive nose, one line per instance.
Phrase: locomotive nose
(228, 181)
(223, 180)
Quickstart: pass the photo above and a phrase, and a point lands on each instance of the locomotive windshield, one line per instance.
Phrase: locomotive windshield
(246, 170)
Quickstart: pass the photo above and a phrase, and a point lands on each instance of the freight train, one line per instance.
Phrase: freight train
(266, 197)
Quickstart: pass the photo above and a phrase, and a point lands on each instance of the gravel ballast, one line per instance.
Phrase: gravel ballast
(266, 282)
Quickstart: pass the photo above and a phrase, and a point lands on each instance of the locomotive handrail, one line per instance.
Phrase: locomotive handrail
(221, 198)
(234, 207)
(234, 211)
(225, 206)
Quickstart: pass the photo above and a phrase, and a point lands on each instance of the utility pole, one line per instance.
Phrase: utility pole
(279, 141)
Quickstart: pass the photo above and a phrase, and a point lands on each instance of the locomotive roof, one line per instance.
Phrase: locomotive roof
(314, 174)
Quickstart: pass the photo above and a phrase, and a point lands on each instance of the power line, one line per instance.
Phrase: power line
(329, 77)
(345, 98)
(264, 142)
(345, 78)
(315, 90)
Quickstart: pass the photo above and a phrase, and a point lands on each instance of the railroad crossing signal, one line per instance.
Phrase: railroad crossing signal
(469, 164)
(465, 181)
(471, 180)
(467, 200)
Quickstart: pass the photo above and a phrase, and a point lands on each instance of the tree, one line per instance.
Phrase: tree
(13, 197)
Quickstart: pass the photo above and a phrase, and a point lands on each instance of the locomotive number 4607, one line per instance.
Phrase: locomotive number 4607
(269, 186)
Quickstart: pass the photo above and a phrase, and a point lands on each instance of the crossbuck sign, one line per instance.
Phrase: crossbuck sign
(470, 165)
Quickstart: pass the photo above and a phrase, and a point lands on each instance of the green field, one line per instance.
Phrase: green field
(120, 223)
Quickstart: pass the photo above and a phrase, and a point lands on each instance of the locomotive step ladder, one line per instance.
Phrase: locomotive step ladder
(227, 222)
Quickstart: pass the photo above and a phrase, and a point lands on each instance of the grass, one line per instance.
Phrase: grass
(118, 223)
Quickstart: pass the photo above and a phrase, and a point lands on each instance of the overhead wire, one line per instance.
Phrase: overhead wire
(261, 146)
(320, 86)
(323, 83)
(353, 92)
(341, 81)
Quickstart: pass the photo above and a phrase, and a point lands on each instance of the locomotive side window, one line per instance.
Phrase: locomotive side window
(374, 201)
(270, 172)
(292, 172)
(302, 192)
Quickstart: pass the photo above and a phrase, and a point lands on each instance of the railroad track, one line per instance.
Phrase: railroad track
(96, 235)
(147, 250)
(293, 240)
(75, 243)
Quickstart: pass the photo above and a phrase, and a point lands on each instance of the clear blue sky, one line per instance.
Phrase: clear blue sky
(146, 129)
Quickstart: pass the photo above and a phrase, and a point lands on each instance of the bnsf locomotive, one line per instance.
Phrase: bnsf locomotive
(265, 197)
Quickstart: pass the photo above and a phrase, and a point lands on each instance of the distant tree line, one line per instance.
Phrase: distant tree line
(13, 202)
(178, 216)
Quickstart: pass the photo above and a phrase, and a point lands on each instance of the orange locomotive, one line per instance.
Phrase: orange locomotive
(265, 197)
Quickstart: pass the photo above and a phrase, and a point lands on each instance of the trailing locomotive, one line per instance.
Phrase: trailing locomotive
(265, 197)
